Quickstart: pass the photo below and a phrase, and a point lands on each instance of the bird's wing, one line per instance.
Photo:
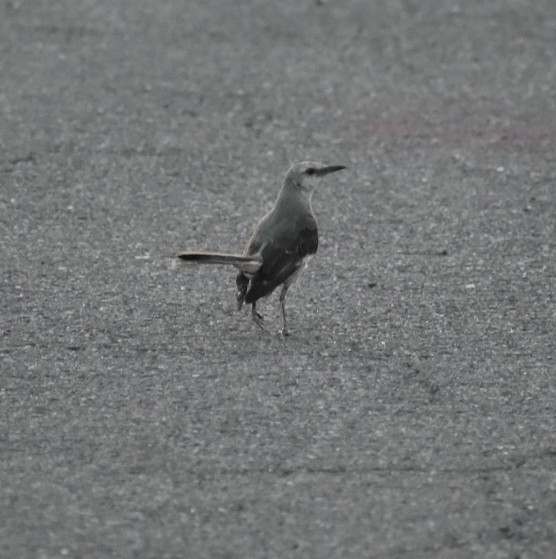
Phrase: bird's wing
(281, 257)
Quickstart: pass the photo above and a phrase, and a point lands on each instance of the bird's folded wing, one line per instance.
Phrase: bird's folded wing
(280, 260)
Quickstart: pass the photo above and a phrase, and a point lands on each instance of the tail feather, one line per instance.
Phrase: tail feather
(247, 264)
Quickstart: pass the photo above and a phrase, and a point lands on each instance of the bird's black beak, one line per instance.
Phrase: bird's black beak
(330, 169)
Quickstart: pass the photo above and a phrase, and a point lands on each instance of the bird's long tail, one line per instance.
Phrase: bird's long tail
(246, 264)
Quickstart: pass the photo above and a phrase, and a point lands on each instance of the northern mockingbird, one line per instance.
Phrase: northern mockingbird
(282, 239)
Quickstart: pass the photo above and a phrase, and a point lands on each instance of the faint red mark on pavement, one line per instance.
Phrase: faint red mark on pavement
(411, 126)
(501, 135)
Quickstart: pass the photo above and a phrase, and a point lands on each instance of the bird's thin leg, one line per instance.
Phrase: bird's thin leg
(285, 331)
(257, 317)
(242, 283)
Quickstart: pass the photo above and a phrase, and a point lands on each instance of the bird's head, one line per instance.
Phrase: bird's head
(306, 175)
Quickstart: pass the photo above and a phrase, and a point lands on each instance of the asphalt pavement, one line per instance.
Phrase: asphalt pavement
(411, 413)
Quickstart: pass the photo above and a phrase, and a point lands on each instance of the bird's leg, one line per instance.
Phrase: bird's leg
(257, 317)
(242, 283)
(285, 331)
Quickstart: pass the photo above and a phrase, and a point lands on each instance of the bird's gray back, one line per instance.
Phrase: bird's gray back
(290, 216)
(283, 240)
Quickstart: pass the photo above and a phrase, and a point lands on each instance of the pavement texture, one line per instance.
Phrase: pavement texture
(411, 414)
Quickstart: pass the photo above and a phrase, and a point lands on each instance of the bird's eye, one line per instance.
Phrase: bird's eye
(310, 171)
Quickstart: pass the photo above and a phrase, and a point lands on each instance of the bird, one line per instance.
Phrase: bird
(282, 240)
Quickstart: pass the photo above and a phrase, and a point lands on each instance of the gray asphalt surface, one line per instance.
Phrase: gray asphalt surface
(412, 412)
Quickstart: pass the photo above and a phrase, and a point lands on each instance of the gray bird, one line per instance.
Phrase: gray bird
(283, 238)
